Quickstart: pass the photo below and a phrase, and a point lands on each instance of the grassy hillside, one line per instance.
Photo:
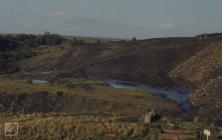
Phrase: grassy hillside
(82, 96)
(88, 109)
(73, 96)
(204, 71)
(201, 67)
(146, 61)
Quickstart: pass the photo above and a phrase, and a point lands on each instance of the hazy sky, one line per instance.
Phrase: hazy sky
(112, 18)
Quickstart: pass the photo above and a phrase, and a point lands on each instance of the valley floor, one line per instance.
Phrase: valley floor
(81, 108)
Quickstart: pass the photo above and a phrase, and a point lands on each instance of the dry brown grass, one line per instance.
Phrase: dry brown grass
(202, 65)
(72, 127)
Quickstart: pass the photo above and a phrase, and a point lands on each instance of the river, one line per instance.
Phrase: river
(176, 94)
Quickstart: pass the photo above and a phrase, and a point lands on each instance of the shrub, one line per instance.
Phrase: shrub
(134, 39)
(70, 85)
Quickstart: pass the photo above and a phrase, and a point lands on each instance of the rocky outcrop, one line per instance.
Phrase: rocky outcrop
(207, 99)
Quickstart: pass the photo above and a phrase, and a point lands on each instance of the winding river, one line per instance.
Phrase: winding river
(176, 94)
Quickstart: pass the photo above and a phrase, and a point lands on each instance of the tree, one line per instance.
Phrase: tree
(98, 41)
(52, 39)
(134, 39)
(3, 65)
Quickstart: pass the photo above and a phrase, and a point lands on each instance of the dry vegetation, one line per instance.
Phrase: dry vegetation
(74, 127)
(204, 70)
(86, 95)
(83, 108)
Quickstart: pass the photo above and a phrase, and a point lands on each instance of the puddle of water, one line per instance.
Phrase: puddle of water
(39, 82)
